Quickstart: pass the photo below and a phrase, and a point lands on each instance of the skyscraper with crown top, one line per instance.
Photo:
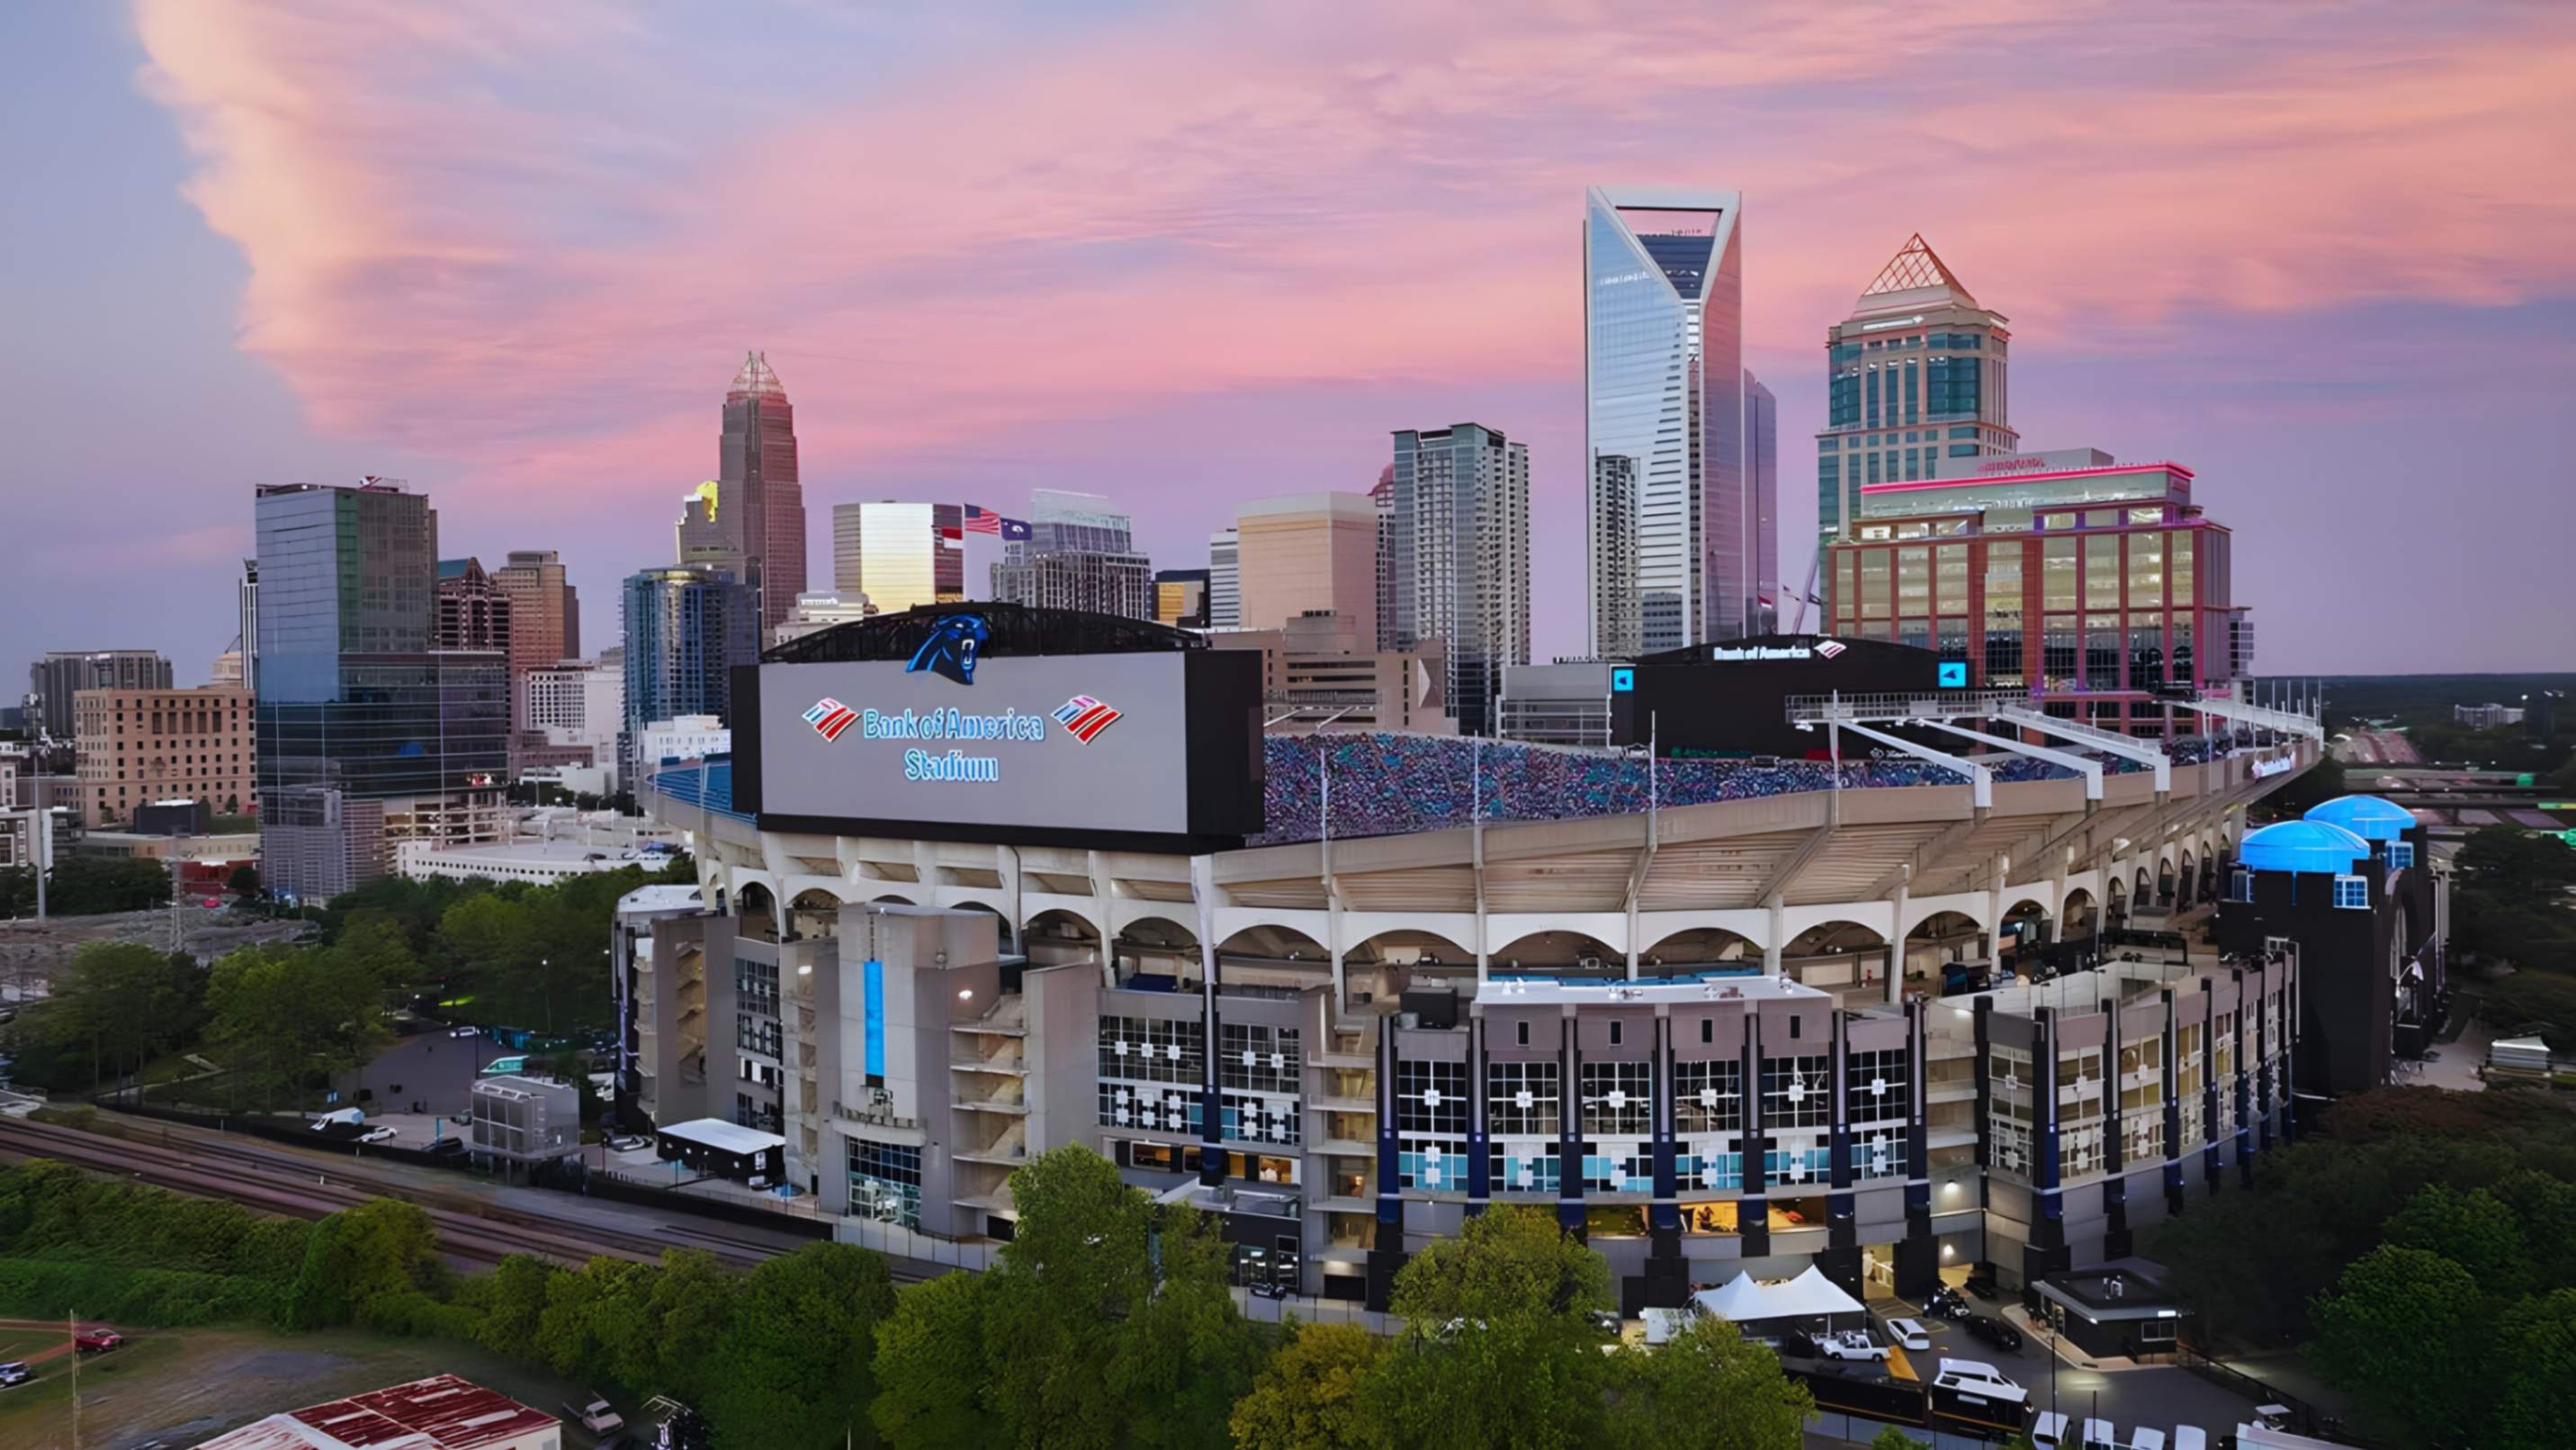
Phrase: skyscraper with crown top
(760, 506)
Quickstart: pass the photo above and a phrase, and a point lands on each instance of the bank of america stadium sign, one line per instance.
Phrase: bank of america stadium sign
(1082, 717)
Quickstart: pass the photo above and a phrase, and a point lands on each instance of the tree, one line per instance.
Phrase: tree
(684, 1318)
(1708, 1389)
(509, 1302)
(124, 1001)
(797, 1362)
(2536, 1349)
(2509, 862)
(1893, 1438)
(244, 882)
(485, 940)
(1107, 1321)
(1308, 1396)
(2475, 1230)
(1495, 1349)
(288, 1015)
(361, 1262)
(377, 943)
(930, 1368)
(2400, 1332)
(2542, 999)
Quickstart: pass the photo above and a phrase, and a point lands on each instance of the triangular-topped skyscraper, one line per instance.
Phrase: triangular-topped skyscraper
(1916, 386)
(759, 510)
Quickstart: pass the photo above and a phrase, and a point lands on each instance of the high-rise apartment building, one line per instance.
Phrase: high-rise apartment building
(1382, 499)
(821, 609)
(545, 612)
(1915, 377)
(1321, 670)
(142, 746)
(246, 595)
(1460, 559)
(899, 555)
(761, 506)
(1610, 534)
(687, 626)
(61, 674)
(577, 703)
(473, 612)
(1309, 553)
(1225, 580)
(1080, 554)
(353, 698)
(1664, 391)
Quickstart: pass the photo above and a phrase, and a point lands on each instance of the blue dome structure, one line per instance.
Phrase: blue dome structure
(2302, 846)
(2366, 816)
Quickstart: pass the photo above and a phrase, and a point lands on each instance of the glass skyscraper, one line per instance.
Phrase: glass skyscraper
(353, 697)
(1458, 559)
(900, 555)
(686, 628)
(1665, 422)
(1080, 554)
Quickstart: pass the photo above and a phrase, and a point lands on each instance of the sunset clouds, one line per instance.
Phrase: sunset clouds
(529, 239)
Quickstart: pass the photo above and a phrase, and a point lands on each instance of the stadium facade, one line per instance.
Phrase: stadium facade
(1347, 989)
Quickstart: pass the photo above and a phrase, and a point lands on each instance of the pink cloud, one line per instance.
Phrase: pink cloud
(448, 256)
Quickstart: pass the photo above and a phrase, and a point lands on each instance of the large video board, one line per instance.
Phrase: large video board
(1157, 748)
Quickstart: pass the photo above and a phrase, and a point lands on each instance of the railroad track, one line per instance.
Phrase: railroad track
(273, 1178)
(278, 1183)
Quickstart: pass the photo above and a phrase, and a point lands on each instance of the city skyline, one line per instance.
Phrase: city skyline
(2253, 311)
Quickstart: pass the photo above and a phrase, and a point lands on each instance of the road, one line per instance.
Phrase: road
(475, 1227)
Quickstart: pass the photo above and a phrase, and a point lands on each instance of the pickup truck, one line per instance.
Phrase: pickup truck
(598, 1416)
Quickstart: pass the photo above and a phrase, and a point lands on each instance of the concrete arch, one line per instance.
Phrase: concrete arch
(2044, 897)
(1657, 927)
(1160, 933)
(755, 900)
(1973, 905)
(1557, 951)
(1005, 934)
(815, 912)
(1410, 948)
(1837, 935)
(2079, 915)
(1273, 941)
(1700, 946)
(1877, 916)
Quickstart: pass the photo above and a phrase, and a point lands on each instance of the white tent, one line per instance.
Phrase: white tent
(1808, 1296)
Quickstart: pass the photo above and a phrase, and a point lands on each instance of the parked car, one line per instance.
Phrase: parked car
(1977, 1377)
(15, 1372)
(1603, 1321)
(376, 1135)
(597, 1415)
(1909, 1333)
(628, 1143)
(1992, 1331)
(449, 1147)
(96, 1341)
(1948, 1303)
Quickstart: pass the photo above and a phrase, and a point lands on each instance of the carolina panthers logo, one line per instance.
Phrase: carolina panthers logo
(950, 650)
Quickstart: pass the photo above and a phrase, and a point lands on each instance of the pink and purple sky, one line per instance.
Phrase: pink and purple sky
(1189, 254)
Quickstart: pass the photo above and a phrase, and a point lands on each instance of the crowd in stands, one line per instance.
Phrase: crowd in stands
(1387, 784)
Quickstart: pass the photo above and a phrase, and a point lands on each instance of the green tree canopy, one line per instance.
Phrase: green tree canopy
(796, 1365)
(1308, 1397)
(2403, 1330)
(931, 1368)
(123, 1002)
(1707, 1389)
(286, 1015)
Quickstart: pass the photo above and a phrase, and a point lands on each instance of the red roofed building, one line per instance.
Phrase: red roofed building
(439, 1413)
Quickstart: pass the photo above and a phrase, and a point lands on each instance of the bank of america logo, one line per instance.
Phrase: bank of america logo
(1084, 717)
(830, 717)
(1830, 648)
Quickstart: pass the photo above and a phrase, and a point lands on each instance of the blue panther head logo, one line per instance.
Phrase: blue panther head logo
(951, 648)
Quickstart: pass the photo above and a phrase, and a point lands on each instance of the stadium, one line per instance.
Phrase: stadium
(1716, 1015)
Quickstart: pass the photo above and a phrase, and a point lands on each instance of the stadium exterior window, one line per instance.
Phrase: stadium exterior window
(2240, 885)
(2352, 892)
(885, 1182)
(2401, 854)
(1431, 1126)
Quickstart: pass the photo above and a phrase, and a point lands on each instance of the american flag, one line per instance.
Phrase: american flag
(983, 521)
(830, 717)
(1084, 717)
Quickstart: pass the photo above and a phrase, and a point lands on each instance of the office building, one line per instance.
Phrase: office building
(1382, 501)
(1321, 670)
(316, 842)
(575, 706)
(1181, 597)
(2489, 716)
(821, 609)
(686, 628)
(1225, 580)
(61, 674)
(2096, 590)
(141, 746)
(227, 668)
(899, 555)
(353, 698)
(1308, 553)
(761, 508)
(1914, 376)
(473, 612)
(697, 538)
(545, 611)
(1080, 554)
(1459, 559)
(1664, 389)
(690, 737)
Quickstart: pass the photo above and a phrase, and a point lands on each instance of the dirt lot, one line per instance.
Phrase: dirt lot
(182, 1386)
(31, 951)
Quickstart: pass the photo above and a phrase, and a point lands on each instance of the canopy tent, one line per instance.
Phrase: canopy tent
(1808, 1296)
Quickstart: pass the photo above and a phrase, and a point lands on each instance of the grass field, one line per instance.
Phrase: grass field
(181, 1386)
